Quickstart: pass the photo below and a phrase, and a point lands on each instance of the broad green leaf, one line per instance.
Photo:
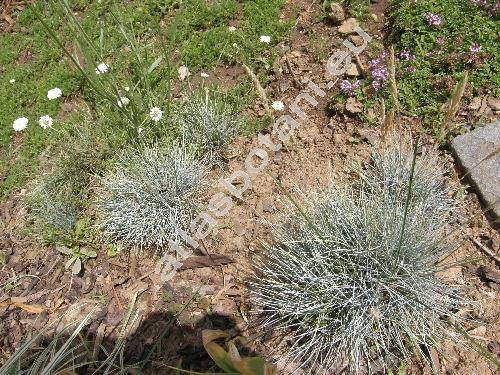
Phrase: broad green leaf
(88, 252)
(232, 362)
(220, 357)
(209, 335)
(215, 351)
(234, 356)
(69, 262)
(155, 64)
(251, 366)
(63, 250)
(112, 251)
(80, 227)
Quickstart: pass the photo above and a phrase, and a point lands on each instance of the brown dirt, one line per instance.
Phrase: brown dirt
(321, 152)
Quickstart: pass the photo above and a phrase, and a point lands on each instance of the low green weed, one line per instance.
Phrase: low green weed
(77, 246)
(130, 40)
(434, 54)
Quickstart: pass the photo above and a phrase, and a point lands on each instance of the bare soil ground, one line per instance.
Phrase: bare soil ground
(319, 154)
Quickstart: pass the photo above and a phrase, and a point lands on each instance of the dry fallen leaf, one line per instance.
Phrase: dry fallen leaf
(35, 309)
(183, 73)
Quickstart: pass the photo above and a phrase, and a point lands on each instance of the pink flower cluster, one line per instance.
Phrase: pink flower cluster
(378, 71)
(493, 9)
(406, 55)
(348, 87)
(475, 48)
(432, 19)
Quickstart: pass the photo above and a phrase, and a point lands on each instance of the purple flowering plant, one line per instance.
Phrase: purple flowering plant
(348, 87)
(378, 71)
(436, 40)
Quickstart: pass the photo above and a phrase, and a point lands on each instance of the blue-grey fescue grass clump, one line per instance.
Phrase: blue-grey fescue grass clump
(206, 123)
(150, 195)
(52, 205)
(352, 276)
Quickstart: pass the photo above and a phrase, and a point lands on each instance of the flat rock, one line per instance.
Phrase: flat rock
(494, 104)
(336, 13)
(353, 106)
(352, 71)
(475, 152)
(475, 104)
(348, 26)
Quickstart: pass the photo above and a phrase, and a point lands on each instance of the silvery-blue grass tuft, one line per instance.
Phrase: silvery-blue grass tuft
(206, 123)
(150, 195)
(352, 276)
(50, 206)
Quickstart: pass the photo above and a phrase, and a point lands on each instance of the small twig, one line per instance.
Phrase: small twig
(70, 282)
(133, 263)
(452, 106)
(392, 80)
(486, 250)
(146, 275)
(260, 90)
(221, 292)
(388, 127)
(294, 76)
(242, 308)
(382, 111)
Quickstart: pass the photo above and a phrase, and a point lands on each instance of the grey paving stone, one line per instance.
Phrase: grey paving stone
(478, 153)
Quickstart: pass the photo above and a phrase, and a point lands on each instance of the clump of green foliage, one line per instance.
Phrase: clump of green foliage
(352, 275)
(133, 39)
(121, 99)
(77, 246)
(465, 39)
(58, 196)
(359, 9)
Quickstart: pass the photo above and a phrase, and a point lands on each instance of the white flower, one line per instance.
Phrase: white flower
(20, 124)
(123, 101)
(231, 29)
(45, 121)
(126, 88)
(278, 105)
(12, 81)
(183, 72)
(140, 130)
(156, 114)
(204, 75)
(54, 93)
(265, 39)
(235, 45)
(101, 68)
